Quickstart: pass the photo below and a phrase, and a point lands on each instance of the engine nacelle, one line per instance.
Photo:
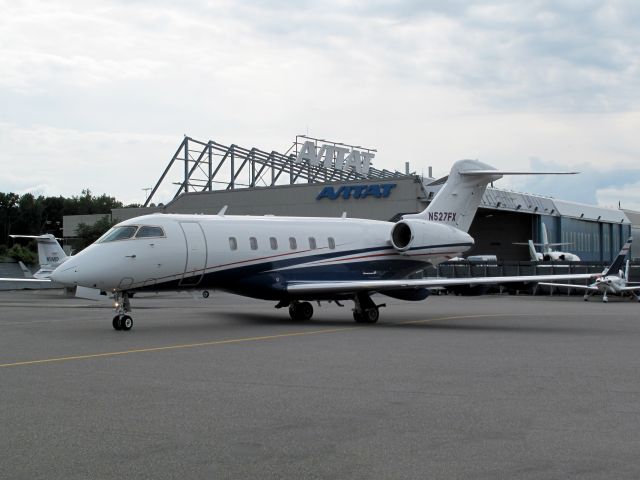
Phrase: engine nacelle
(432, 237)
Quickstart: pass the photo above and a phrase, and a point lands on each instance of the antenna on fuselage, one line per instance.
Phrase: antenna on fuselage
(344, 215)
(222, 211)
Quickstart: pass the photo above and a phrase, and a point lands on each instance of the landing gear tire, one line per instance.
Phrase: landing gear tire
(301, 311)
(126, 323)
(117, 323)
(205, 294)
(370, 315)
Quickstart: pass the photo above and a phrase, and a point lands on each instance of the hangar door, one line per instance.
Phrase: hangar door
(196, 253)
(495, 232)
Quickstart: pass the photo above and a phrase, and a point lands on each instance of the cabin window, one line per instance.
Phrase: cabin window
(253, 242)
(332, 243)
(118, 233)
(233, 243)
(293, 243)
(274, 243)
(146, 231)
(312, 243)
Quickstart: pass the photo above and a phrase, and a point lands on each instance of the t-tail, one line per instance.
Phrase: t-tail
(617, 263)
(50, 253)
(457, 201)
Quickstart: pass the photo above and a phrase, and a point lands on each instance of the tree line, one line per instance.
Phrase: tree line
(28, 214)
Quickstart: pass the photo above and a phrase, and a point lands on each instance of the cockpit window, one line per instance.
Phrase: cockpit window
(146, 231)
(118, 233)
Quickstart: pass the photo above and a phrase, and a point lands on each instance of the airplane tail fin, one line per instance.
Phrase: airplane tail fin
(617, 263)
(626, 270)
(532, 252)
(49, 250)
(457, 201)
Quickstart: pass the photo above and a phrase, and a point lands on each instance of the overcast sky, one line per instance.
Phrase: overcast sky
(99, 95)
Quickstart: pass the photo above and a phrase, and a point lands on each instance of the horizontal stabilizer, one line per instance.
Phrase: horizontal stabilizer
(503, 172)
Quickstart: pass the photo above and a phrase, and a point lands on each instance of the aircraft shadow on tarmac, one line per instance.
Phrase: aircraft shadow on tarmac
(484, 324)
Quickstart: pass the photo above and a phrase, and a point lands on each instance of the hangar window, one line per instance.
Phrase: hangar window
(274, 243)
(146, 231)
(332, 243)
(118, 233)
(312, 243)
(253, 241)
(293, 243)
(233, 243)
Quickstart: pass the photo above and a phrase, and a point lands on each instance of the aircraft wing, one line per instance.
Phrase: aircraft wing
(568, 285)
(630, 289)
(306, 288)
(26, 283)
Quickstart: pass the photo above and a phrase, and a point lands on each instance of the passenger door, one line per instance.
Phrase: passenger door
(196, 253)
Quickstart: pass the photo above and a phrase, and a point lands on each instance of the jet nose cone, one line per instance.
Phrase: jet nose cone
(65, 274)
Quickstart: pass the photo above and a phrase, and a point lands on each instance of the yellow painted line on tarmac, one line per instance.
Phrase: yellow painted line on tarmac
(238, 340)
(175, 347)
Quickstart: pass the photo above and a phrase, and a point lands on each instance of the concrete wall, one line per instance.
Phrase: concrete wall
(70, 222)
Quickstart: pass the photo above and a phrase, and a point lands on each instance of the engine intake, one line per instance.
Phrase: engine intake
(401, 236)
(426, 236)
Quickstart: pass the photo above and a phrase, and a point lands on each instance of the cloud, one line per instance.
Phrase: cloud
(425, 82)
(602, 186)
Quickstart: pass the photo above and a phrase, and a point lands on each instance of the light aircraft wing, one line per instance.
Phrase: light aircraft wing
(630, 289)
(568, 285)
(306, 288)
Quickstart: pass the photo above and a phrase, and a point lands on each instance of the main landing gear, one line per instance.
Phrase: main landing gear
(365, 310)
(301, 311)
(122, 321)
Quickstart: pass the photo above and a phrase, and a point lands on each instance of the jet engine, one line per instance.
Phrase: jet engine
(423, 234)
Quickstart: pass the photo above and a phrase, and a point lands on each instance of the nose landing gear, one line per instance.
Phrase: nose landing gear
(122, 321)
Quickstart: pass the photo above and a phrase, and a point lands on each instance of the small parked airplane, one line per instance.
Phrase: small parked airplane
(291, 260)
(547, 254)
(613, 280)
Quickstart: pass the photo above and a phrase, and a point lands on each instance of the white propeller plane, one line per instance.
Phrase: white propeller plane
(291, 260)
(613, 280)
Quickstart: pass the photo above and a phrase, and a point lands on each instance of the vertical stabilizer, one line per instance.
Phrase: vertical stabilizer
(457, 201)
(533, 255)
(617, 263)
(545, 240)
(49, 251)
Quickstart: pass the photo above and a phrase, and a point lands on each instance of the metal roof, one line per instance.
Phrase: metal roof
(515, 201)
(590, 212)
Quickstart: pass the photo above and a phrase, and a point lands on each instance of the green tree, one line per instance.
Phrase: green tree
(23, 254)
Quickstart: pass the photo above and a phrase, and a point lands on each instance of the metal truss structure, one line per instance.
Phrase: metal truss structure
(209, 166)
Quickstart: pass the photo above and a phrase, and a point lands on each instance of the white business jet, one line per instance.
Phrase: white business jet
(291, 260)
(548, 255)
(613, 280)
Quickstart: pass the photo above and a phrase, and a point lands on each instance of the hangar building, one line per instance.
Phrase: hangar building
(321, 178)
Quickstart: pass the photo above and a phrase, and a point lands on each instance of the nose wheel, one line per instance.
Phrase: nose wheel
(122, 321)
